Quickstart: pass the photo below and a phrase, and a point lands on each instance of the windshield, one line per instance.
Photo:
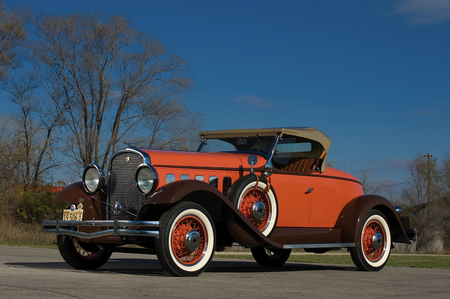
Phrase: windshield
(254, 144)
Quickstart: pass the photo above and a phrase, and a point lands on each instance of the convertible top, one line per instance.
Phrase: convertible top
(307, 132)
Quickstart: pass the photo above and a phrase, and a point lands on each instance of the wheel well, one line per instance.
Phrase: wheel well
(212, 203)
(216, 209)
(395, 226)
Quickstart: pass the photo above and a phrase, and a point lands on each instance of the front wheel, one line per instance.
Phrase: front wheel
(374, 247)
(270, 257)
(82, 256)
(186, 242)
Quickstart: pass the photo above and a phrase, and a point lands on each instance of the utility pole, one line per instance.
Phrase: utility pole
(428, 176)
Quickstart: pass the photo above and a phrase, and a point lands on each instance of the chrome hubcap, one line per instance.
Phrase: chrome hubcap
(377, 241)
(259, 210)
(192, 240)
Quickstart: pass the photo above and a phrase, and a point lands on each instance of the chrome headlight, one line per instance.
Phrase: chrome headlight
(146, 178)
(93, 178)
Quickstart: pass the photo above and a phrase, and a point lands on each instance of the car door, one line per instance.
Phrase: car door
(294, 200)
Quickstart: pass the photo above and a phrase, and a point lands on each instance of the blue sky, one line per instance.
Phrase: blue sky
(372, 75)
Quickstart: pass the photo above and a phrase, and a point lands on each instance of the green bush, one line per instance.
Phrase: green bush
(34, 207)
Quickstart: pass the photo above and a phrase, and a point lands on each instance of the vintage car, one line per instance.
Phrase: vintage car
(266, 189)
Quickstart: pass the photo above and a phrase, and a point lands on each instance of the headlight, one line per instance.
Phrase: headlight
(146, 178)
(267, 172)
(93, 178)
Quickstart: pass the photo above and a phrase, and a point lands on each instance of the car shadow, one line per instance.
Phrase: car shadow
(151, 267)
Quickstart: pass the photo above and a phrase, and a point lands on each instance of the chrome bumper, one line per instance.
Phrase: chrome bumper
(113, 228)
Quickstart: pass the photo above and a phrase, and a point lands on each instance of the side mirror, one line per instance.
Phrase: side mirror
(252, 160)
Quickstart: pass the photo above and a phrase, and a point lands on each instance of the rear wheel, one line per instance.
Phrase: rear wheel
(187, 238)
(266, 257)
(83, 256)
(374, 246)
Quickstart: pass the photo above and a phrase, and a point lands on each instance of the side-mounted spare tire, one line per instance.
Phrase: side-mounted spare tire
(256, 199)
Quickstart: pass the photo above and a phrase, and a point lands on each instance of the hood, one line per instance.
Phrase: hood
(196, 159)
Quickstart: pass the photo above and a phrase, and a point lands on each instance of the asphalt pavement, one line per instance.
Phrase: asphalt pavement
(42, 273)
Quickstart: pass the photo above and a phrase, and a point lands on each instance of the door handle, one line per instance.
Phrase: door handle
(309, 190)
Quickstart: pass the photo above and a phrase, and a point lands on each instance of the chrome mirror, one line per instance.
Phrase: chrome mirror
(252, 160)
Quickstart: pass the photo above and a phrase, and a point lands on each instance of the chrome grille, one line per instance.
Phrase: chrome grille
(122, 186)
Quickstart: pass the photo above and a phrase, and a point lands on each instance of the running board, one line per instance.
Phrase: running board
(320, 245)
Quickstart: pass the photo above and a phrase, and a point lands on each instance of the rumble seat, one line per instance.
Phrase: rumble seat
(303, 165)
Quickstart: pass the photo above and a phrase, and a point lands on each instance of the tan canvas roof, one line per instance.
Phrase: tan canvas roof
(309, 133)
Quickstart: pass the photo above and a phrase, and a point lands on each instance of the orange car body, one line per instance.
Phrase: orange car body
(282, 173)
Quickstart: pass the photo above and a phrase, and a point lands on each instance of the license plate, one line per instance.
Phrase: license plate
(76, 215)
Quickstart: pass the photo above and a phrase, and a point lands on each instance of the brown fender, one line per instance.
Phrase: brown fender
(93, 207)
(217, 204)
(354, 214)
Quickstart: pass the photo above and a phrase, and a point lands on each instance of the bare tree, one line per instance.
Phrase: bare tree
(369, 184)
(173, 127)
(11, 156)
(104, 78)
(421, 195)
(34, 130)
(445, 203)
(12, 34)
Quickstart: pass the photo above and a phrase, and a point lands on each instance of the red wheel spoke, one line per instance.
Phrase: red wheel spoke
(370, 251)
(247, 203)
(182, 228)
(83, 252)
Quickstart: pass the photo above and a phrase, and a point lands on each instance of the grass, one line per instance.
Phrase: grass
(395, 260)
(16, 233)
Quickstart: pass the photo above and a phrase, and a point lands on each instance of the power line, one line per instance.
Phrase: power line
(381, 187)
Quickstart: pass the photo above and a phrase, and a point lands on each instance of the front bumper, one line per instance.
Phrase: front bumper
(110, 228)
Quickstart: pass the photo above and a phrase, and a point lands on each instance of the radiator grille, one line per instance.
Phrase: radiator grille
(122, 186)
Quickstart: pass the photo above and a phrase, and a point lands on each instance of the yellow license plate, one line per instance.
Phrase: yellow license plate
(76, 215)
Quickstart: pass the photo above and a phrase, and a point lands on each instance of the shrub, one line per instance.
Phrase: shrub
(34, 207)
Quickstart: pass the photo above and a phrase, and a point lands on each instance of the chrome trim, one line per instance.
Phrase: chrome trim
(147, 161)
(252, 160)
(117, 208)
(320, 245)
(259, 210)
(101, 178)
(202, 143)
(155, 178)
(377, 241)
(117, 228)
(272, 152)
(144, 155)
(192, 240)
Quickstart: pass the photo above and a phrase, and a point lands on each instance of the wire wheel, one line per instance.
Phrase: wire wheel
(83, 256)
(374, 247)
(374, 241)
(87, 251)
(270, 257)
(186, 242)
(256, 201)
(252, 200)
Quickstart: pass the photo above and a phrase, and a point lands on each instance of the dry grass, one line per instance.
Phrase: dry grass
(15, 233)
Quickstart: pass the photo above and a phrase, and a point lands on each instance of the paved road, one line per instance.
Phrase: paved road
(41, 273)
